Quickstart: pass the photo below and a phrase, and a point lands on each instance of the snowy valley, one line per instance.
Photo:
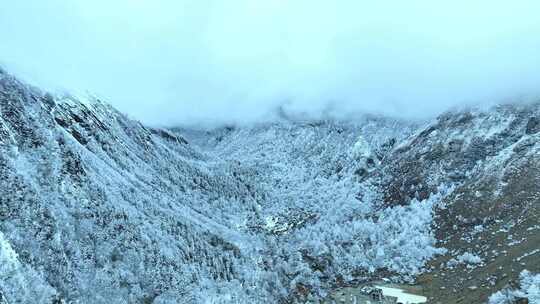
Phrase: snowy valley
(98, 208)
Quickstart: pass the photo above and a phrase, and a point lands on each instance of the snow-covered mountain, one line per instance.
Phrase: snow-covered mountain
(98, 208)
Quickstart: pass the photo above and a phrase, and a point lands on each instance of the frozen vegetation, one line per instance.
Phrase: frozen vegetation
(529, 288)
(98, 208)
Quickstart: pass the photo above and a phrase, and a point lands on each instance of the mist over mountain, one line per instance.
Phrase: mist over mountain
(183, 62)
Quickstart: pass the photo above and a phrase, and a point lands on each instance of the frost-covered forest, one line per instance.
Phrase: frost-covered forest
(98, 208)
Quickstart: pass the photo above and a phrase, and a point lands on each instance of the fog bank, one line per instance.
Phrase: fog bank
(176, 62)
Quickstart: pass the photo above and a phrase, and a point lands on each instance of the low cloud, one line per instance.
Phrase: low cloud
(180, 62)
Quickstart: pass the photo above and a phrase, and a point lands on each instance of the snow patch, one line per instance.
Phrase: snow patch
(402, 296)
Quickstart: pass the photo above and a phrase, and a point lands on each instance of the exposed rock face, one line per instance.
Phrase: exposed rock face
(98, 208)
(453, 147)
(533, 125)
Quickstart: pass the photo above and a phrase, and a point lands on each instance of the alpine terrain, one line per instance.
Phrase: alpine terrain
(96, 207)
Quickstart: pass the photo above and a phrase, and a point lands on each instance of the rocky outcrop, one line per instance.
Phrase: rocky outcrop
(453, 147)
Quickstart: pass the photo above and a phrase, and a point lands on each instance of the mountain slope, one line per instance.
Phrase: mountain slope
(495, 210)
(95, 203)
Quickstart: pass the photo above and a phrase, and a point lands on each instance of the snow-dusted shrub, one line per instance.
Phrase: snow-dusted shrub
(361, 149)
(469, 258)
(18, 282)
(529, 289)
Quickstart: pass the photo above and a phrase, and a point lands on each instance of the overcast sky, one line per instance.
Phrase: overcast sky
(172, 61)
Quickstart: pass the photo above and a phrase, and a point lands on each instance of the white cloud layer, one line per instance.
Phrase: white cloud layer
(170, 62)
